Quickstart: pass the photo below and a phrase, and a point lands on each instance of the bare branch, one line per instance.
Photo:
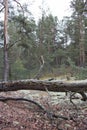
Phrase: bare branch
(4, 99)
(37, 76)
(2, 3)
(3, 6)
(2, 9)
(1, 44)
(71, 96)
(19, 5)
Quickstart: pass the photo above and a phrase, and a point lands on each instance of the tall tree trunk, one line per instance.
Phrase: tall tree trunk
(6, 63)
(81, 42)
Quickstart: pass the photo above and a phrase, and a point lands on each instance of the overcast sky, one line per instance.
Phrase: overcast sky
(58, 8)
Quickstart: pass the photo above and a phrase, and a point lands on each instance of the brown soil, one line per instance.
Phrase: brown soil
(18, 115)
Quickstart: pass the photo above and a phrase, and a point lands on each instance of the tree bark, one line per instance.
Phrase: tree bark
(81, 42)
(6, 62)
(42, 85)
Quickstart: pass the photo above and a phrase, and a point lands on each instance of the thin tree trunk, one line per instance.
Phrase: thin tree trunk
(81, 43)
(6, 62)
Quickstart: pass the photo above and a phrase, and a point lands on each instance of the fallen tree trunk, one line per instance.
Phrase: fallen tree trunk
(42, 85)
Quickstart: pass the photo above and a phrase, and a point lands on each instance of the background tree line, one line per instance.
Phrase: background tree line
(63, 44)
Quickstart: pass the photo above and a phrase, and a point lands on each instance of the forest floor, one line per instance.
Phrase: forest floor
(18, 115)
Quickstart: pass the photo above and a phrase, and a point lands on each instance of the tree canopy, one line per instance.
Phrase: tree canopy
(56, 40)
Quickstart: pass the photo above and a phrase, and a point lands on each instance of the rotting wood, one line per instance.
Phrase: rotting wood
(54, 85)
(41, 85)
